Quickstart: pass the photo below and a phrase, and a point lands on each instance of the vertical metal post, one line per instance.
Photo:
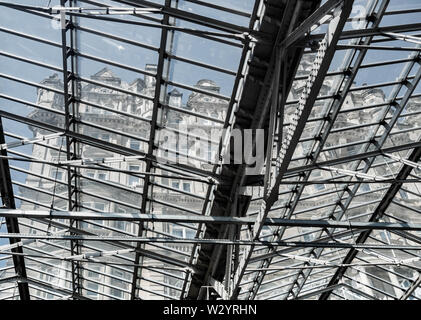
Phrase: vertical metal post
(8, 200)
(151, 146)
(71, 111)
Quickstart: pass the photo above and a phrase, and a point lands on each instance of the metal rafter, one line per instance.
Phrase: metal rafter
(151, 144)
(341, 94)
(376, 216)
(211, 259)
(411, 86)
(70, 112)
(8, 201)
(323, 60)
(295, 197)
(411, 289)
(110, 216)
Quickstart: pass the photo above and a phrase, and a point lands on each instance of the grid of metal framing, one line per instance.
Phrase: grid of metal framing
(334, 213)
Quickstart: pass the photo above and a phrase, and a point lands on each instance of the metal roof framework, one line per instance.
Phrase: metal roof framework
(357, 237)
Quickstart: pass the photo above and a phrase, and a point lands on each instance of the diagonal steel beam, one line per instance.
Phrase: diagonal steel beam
(379, 31)
(334, 287)
(411, 289)
(252, 114)
(8, 201)
(360, 156)
(341, 93)
(305, 27)
(376, 216)
(189, 16)
(411, 86)
(151, 145)
(314, 83)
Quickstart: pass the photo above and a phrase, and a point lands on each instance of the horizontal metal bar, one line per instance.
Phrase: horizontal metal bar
(192, 113)
(126, 114)
(30, 37)
(118, 38)
(113, 63)
(397, 148)
(87, 215)
(149, 240)
(27, 103)
(30, 83)
(361, 47)
(221, 8)
(31, 61)
(118, 89)
(360, 33)
(202, 64)
(198, 90)
(110, 146)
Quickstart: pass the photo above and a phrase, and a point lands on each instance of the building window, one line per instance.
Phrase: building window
(117, 283)
(211, 155)
(119, 224)
(175, 184)
(98, 175)
(98, 205)
(90, 174)
(352, 150)
(134, 145)
(308, 237)
(186, 187)
(56, 174)
(102, 176)
(134, 181)
(178, 232)
(183, 232)
(92, 288)
(116, 293)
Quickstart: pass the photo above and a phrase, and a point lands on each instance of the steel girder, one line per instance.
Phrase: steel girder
(378, 31)
(151, 145)
(8, 201)
(377, 143)
(70, 92)
(212, 261)
(80, 215)
(411, 289)
(335, 287)
(376, 216)
(341, 93)
(189, 16)
(325, 55)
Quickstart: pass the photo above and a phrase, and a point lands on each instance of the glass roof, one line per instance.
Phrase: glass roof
(120, 122)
